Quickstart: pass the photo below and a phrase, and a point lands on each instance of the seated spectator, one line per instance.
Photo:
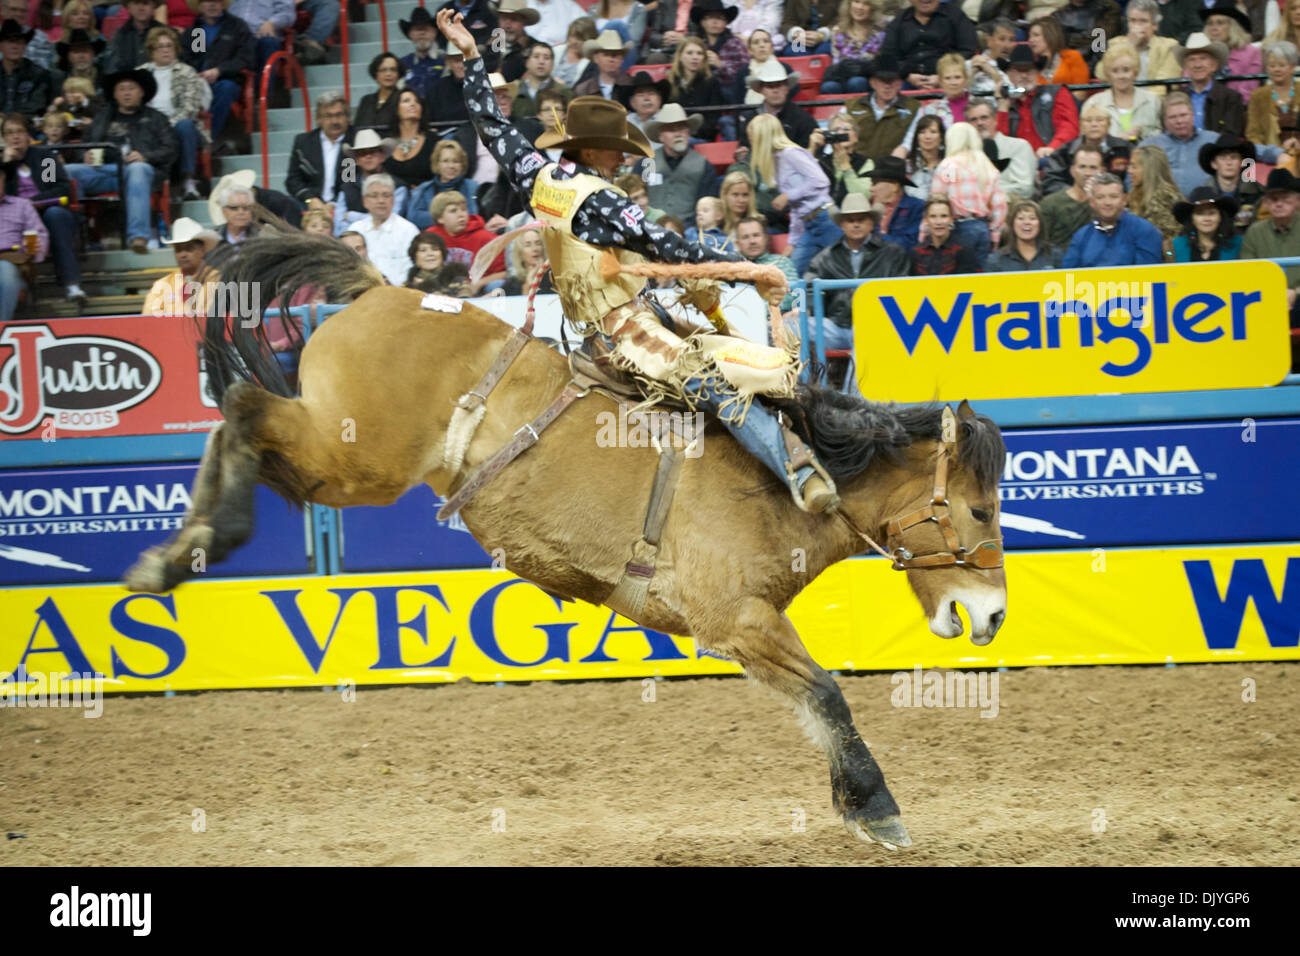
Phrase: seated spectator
(1229, 27)
(538, 66)
(776, 84)
(449, 165)
(918, 36)
(525, 263)
(925, 156)
(1061, 65)
(643, 96)
(1274, 238)
(80, 103)
(37, 174)
(634, 187)
(1094, 123)
(428, 253)
(571, 60)
(726, 54)
(76, 15)
(1066, 211)
(760, 48)
(1134, 112)
(446, 104)
(737, 195)
(751, 241)
(188, 290)
(364, 159)
(17, 216)
(55, 128)
(514, 18)
(1154, 191)
(144, 139)
(840, 160)
(1277, 99)
(606, 52)
(1088, 27)
(552, 109)
(126, 49)
(267, 19)
(412, 155)
(900, 214)
(680, 175)
(1216, 108)
(884, 117)
(951, 107)
(939, 253)
(316, 161)
(855, 254)
(707, 230)
(1225, 163)
(378, 110)
(318, 222)
(986, 76)
(1044, 115)
(856, 40)
(1024, 246)
(40, 48)
(388, 236)
(220, 47)
(231, 209)
(1116, 237)
(693, 84)
(181, 97)
(807, 25)
(1154, 53)
(464, 236)
(271, 201)
(24, 87)
(802, 185)
(1208, 231)
(423, 65)
(556, 16)
(1014, 157)
(757, 16)
(357, 243)
(1181, 142)
(77, 54)
(970, 181)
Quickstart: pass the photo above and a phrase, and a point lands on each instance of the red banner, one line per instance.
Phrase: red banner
(122, 375)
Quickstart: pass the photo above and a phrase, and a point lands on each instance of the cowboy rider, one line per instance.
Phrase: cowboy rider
(586, 214)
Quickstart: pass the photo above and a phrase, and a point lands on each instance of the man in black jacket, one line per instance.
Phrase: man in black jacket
(858, 255)
(221, 60)
(775, 83)
(1217, 107)
(145, 143)
(36, 174)
(316, 163)
(24, 87)
(917, 37)
(126, 50)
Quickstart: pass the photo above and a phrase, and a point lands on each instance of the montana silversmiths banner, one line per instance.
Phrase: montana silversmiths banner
(1115, 606)
(1160, 328)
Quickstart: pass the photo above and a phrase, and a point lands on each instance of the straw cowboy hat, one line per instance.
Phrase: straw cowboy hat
(1205, 196)
(187, 230)
(593, 122)
(672, 113)
(420, 17)
(773, 71)
(608, 41)
(1200, 43)
(243, 178)
(498, 82)
(855, 204)
(520, 9)
(369, 139)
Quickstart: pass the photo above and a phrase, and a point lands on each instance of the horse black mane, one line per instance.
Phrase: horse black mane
(849, 433)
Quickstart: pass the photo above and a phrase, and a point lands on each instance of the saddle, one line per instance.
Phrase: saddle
(592, 360)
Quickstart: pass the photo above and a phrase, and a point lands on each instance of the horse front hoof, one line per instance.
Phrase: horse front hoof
(887, 831)
(149, 574)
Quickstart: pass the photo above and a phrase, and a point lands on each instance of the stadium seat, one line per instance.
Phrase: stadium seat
(657, 71)
(1261, 172)
(721, 155)
(821, 113)
(113, 23)
(811, 69)
(779, 243)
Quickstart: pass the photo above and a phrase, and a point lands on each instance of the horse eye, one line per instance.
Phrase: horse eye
(980, 515)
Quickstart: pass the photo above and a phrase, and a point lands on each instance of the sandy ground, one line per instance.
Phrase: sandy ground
(713, 771)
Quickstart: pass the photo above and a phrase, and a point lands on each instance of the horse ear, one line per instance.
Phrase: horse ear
(964, 412)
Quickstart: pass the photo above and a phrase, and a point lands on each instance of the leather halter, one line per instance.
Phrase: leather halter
(985, 555)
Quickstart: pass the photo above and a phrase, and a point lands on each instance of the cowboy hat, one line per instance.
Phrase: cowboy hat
(1023, 57)
(593, 122)
(667, 116)
(1205, 196)
(608, 42)
(186, 230)
(420, 17)
(520, 9)
(498, 82)
(638, 82)
(1226, 143)
(884, 67)
(243, 178)
(1200, 43)
(80, 37)
(13, 30)
(855, 204)
(890, 169)
(144, 78)
(715, 7)
(369, 139)
(753, 98)
(772, 71)
(1225, 8)
(1281, 181)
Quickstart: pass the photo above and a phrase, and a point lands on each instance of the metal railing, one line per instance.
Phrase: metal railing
(296, 73)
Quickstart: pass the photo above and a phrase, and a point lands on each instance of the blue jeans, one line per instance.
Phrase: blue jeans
(11, 283)
(224, 94)
(188, 134)
(62, 226)
(854, 84)
(817, 235)
(974, 235)
(324, 18)
(262, 52)
(93, 180)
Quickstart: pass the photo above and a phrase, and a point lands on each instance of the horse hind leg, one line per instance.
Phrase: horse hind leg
(766, 644)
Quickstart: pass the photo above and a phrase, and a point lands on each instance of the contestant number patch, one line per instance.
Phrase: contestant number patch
(553, 200)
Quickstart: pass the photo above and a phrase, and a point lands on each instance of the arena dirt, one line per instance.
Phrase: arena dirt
(714, 771)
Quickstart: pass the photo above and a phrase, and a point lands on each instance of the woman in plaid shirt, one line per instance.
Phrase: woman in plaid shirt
(970, 181)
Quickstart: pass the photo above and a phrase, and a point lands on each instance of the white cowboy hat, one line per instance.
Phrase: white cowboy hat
(773, 71)
(499, 82)
(187, 230)
(855, 204)
(369, 139)
(244, 178)
(609, 41)
(1200, 43)
(672, 113)
(753, 97)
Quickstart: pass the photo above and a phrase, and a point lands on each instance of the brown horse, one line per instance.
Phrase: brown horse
(378, 385)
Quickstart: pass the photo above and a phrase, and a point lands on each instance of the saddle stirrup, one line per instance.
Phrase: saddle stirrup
(818, 493)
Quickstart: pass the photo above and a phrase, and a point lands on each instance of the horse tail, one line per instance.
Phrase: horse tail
(258, 272)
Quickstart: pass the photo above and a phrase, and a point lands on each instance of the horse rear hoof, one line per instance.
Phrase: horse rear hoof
(888, 831)
(151, 574)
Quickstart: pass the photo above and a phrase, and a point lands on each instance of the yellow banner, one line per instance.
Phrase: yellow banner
(1136, 606)
(1083, 332)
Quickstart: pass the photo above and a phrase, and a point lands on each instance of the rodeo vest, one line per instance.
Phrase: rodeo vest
(575, 265)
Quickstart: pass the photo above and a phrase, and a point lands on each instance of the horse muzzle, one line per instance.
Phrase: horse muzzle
(986, 610)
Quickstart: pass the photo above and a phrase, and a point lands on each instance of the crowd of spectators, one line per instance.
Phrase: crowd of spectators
(996, 165)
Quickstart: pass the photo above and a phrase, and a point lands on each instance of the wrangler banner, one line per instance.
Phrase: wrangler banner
(1233, 603)
(1161, 328)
